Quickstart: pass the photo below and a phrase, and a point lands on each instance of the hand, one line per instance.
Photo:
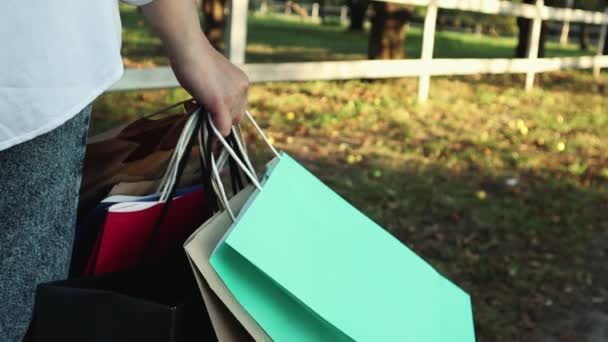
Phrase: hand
(208, 76)
(215, 83)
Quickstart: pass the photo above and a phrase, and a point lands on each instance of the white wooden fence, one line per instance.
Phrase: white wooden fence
(313, 10)
(424, 68)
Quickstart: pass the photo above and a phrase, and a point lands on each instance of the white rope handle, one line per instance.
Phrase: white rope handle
(216, 181)
(219, 189)
(170, 173)
(170, 176)
(257, 128)
(245, 169)
(238, 138)
(182, 151)
(223, 158)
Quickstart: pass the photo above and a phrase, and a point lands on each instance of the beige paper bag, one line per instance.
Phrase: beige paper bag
(227, 315)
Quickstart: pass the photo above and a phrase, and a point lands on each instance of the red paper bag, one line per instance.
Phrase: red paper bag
(128, 229)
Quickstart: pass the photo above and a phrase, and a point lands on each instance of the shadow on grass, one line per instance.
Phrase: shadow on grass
(519, 251)
(572, 82)
(319, 43)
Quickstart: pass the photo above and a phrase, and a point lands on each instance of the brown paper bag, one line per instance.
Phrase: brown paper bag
(191, 177)
(135, 152)
(230, 321)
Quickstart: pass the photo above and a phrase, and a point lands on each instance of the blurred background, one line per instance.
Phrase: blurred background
(503, 190)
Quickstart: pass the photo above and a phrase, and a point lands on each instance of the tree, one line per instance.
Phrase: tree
(322, 14)
(525, 25)
(387, 37)
(215, 21)
(583, 36)
(589, 5)
(358, 10)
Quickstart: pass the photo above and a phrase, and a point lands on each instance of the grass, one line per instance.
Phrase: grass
(501, 190)
(279, 39)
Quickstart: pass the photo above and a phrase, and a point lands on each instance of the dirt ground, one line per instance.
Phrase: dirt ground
(586, 320)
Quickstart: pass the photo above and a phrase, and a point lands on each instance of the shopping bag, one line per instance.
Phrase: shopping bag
(155, 301)
(128, 226)
(230, 321)
(191, 176)
(89, 227)
(159, 304)
(308, 266)
(115, 238)
(122, 154)
(143, 232)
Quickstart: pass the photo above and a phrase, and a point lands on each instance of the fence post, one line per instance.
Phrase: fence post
(263, 7)
(344, 15)
(288, 8)
(428, 43)
(563, 38)
(236, 33)
(601, 44)
(314, 13)
(533, 43)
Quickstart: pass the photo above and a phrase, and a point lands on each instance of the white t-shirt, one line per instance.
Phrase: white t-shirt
(56, 57)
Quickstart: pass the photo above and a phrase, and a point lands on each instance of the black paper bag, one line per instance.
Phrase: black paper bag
(149, 305)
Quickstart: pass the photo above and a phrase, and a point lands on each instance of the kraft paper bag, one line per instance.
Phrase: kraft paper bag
(307, 266)
(230, 321)
(124, 148)
(145, 188)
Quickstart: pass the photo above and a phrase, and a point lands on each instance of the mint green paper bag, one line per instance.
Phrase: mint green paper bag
(307, 266)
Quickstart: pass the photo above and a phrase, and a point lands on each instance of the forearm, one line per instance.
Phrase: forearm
(205, 73)
(177, 23)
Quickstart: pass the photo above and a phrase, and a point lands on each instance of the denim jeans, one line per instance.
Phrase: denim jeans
(39, 185)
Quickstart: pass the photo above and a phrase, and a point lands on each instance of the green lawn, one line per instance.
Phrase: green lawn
(501, 190)
(279, 39)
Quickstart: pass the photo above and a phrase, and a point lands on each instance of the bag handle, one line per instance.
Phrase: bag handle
(189, 135)
(177, 155)
(246, 166)
(175, 105)
(236, 139)
(191, 131)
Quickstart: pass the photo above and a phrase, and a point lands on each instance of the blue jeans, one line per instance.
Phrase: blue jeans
(39, 185)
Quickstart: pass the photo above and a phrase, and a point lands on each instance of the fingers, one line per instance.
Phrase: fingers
(229, 113)
(238, 113)
(242, 89)
(223, 121)
(218, 85)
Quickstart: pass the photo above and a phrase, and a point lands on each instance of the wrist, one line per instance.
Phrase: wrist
(189, 51)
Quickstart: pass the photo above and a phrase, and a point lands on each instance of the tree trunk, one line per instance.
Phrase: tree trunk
(322, 14)
(214, 21)
(387, 38)
(583, 36)
(525, 25)
(441, 20)
(357, 9)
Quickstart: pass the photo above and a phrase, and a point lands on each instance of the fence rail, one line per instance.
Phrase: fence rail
(162, 77)
(424, 68)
